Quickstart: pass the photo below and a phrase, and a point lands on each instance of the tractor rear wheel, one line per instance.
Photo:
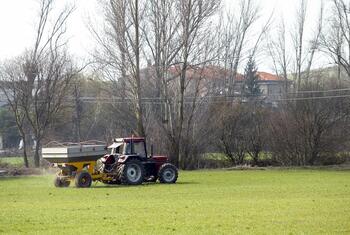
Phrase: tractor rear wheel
(167, 174)
(83, 180)
(131, 173)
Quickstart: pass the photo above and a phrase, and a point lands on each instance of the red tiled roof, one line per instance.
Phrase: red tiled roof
(212, 72)
(208, 72)
(263, 76)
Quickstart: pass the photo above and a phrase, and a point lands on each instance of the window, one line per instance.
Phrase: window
(139, 149)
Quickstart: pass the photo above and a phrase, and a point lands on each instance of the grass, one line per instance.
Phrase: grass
(13, 161)
(202, 202)
(222, 156)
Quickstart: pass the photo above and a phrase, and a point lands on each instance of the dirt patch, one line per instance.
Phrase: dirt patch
(342, 167)
(245, 168)
(8, 170)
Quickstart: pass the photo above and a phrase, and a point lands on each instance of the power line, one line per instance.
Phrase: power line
(211, 98)
(158, 101)
(325, 91)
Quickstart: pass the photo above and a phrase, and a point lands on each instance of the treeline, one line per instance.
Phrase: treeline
(308, 128)
(52, 98)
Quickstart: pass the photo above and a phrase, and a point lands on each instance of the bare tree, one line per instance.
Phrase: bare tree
(308, 129)
(301, 63)
(193, 16)
(78, 109)
(48, 72)
(337, 41)
(255, 136)
(315, 43)
(39, 80)
(13, 86)
(298, 41)
(231, 130)
(174, 40)
(234, 36)
(278, 52)
(121, 50)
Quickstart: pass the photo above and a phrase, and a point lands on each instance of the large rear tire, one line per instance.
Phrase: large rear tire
(83, 180)
(131, 173)
(168, 174)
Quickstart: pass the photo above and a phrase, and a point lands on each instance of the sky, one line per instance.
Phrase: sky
(18, 19)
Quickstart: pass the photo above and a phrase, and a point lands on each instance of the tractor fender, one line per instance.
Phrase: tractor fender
(160, 160)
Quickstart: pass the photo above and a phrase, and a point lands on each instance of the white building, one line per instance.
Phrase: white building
(1, 144)
(3, 100)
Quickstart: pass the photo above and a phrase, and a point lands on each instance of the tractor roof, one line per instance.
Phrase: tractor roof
(129, 139)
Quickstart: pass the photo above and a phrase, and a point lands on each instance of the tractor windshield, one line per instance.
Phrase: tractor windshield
(139, 149)
(127, 149)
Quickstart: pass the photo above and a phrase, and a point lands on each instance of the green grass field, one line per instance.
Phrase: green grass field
(202, 202)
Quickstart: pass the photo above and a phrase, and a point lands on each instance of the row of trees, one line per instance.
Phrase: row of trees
(171, 38)
(300, 132)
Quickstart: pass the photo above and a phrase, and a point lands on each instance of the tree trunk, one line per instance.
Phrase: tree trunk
(37, 154)
(25, 156)
(175, 152)
(256, 159)
(139, 111)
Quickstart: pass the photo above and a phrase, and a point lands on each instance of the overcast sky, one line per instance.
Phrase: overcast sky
(18, 18)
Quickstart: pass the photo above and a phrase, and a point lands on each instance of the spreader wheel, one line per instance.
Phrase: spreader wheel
(168, 174)
(59, 183)
(65, 183)
(83, 180)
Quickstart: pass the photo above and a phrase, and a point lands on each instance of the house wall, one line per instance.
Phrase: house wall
(264, 88)
(275, 89)
(272, 90)
(1, 144)
(2, 99)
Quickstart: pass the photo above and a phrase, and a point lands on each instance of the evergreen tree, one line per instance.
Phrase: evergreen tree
(251, 86)
(8, 129)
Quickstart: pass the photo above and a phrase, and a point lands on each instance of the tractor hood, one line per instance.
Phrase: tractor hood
(160, 158)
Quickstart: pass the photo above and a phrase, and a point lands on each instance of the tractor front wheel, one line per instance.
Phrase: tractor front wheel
(167, 174)
(83, 180)
(131, 173)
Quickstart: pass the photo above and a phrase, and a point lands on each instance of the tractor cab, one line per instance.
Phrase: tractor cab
(129, 146)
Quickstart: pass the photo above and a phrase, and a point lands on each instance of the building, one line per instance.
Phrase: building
(213, 81)
(272, 87)
(3, 100)
(1, 143)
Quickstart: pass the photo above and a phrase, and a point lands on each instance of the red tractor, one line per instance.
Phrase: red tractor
(129, 163)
